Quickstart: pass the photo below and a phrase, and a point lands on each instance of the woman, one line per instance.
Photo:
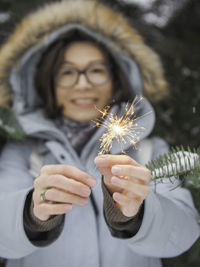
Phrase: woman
(60, 64)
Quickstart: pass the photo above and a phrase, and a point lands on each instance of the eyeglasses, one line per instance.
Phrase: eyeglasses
(96, 74)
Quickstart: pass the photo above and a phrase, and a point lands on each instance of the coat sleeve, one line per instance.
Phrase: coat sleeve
(15, 184)
(170, 222)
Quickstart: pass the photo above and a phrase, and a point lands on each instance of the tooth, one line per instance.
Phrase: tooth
(84, 101)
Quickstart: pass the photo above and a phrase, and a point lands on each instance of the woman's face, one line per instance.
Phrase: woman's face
(81, 99)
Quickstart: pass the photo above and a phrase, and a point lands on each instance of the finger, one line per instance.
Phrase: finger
(138, 189)
(131, 195)
(69, 171)
(63, 183)
(129, 207)
(130, 171)
(56, 195)
(109, 160)
(48, 209)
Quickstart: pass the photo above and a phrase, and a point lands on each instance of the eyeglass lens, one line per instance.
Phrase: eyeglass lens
(96, 74)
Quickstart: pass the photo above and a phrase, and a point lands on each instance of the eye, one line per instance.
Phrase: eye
(67, 72)
(98, 70)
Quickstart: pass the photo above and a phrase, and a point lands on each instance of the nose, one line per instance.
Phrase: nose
(82, 82)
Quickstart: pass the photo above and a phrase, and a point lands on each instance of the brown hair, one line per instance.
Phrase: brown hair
(50, 64)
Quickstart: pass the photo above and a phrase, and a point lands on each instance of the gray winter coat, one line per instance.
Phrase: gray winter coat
(169, 226)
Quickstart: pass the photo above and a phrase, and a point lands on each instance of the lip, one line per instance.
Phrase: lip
(84, 102)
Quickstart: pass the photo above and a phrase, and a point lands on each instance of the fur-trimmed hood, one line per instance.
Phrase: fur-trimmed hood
(21, 53)
(37, 30)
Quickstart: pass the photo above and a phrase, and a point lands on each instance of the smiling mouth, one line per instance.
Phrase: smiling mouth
(84, 102)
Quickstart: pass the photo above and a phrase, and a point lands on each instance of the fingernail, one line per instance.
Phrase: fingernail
(86, 192)
(83, 201)
(102, 156)
(117, 196)
(91, 182)
(99, 159)
(116, 180)
(116, 170)
(67, 208)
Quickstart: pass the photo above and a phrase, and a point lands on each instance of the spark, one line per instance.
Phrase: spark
(123, 129)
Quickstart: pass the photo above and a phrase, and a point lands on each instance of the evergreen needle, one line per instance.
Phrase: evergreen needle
(177, 163)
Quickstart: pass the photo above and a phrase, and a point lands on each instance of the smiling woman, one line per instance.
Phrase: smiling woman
(83, 78)
(85, 91)
(61, 64)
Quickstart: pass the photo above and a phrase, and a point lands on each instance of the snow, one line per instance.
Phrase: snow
(182, 162)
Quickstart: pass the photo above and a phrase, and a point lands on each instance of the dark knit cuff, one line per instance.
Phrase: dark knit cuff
(42, 226)
(120, 225)
(41, 233)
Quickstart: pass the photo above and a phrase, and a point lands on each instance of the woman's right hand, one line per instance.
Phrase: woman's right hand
(65, 185)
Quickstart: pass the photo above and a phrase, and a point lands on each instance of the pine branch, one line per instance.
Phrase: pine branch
(178, 163)
(9, 127)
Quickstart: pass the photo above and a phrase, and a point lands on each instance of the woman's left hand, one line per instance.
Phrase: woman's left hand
(126, 180)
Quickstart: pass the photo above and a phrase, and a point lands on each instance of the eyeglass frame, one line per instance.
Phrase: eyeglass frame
(84, 71)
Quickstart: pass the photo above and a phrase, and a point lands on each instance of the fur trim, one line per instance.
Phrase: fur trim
(36, 27)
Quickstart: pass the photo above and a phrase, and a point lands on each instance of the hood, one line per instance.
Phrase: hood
(21, 53)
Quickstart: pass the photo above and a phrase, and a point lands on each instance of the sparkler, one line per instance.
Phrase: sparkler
(123, 129)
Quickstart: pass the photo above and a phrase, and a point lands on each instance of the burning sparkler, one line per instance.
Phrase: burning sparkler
(123, 129)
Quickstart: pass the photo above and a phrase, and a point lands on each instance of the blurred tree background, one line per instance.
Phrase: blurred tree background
(170, 27)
